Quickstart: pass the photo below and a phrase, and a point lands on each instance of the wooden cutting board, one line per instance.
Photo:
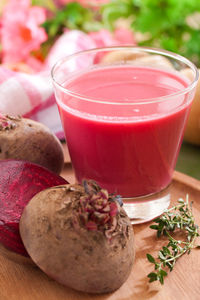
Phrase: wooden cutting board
(20, 279)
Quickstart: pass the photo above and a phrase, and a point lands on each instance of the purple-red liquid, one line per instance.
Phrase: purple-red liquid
(130, 149)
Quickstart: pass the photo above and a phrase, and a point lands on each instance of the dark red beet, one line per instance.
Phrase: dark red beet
(19, 182)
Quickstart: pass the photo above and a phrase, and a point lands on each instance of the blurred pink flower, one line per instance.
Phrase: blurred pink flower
(20, 33)
(120, 36)
(104, 38)
(0, 39)
(124, 36)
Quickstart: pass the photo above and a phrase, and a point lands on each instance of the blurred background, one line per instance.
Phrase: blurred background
(29, 29)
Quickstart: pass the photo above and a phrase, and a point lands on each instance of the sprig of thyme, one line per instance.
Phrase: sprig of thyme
(178, 217)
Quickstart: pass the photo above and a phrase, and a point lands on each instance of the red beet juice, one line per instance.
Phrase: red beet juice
(124, 126)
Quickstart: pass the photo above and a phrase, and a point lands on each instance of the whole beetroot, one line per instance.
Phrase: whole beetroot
(25, 139)
(80, 236)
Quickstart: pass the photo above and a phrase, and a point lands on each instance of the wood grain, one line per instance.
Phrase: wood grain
(67, 158)
(20, 279)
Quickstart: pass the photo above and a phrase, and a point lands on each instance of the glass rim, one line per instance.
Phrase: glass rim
(146, 101)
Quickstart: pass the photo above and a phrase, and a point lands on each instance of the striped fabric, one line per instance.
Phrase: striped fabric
(31, 95)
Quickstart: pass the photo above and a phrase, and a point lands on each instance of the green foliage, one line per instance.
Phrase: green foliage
(179, 217)
(165, 22)
(162, 23)
(114, 10)
(49, 4)
(72, 16)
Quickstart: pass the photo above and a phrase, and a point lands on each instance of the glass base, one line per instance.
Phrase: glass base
(146, 208)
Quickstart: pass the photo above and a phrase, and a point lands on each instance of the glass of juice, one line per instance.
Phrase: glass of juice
(124, 110)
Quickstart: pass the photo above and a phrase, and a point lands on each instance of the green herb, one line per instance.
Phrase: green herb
(180, 218)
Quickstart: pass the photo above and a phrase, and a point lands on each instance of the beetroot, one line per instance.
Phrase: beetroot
(80, 236)
(19, 182)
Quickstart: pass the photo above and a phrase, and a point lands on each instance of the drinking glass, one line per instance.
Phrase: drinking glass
(124, 110)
